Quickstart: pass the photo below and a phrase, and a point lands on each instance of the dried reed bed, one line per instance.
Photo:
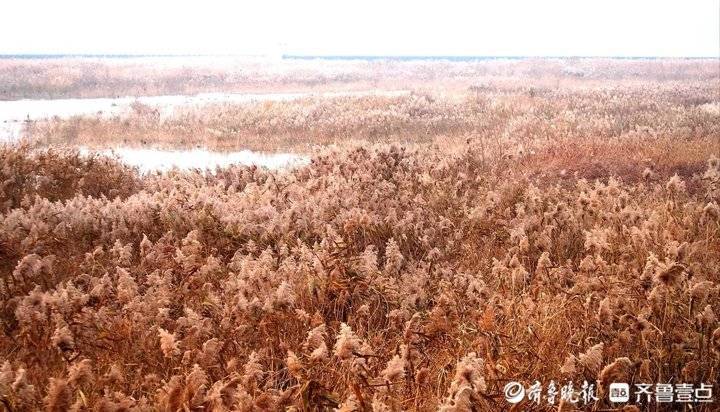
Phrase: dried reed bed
(27, 175)
(567, 233)
(88, 77)
(527, 114)
(376, 278)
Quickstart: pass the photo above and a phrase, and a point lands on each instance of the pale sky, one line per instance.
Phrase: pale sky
(689, 28)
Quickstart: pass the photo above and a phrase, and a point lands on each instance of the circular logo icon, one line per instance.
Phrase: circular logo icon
(514, 392)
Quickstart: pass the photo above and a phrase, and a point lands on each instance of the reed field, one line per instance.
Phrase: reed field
(501, 221)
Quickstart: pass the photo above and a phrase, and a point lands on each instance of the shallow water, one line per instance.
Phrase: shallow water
(152, 160)
(13, 113)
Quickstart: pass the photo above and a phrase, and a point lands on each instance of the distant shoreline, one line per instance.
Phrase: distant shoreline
(480, 58)
(457, 58)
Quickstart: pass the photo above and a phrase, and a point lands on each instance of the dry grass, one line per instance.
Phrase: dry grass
(208, 291)
(498, 114)
(67, 77)
(415, 276)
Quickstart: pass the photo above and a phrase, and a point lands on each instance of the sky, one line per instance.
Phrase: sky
(689, 28)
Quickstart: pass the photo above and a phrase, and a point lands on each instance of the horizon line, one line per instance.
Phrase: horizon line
(458, 57)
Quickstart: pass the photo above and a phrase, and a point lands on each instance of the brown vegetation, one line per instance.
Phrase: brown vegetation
(522, 115)
(567, 238)
(361, 279)
(69, 77)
